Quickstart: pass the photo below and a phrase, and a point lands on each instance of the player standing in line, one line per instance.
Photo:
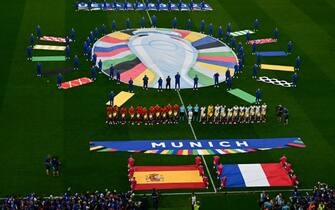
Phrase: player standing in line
(247, 36)
(59, 80)
(100, 66)
(254, 71)
(223, 115)
(157, 114)
(164, 110)
(263, 112)
(276, 34)
(170, 113)
(210, 114)
(202, 115)
(294, 79)
(154, 21)
(256, 25)
(190, 116)
(109, 115)
(289, 47)
(114, 26)
(254, 48)
(229, 82)
(236, 71)
(73, 35)
(202, 26)
(217, 109)
(247, 114)
(233, 43)
(115, 115)
(160, 84)
(223, 182)
(216, 80)
(182, 112)
(75, 63)
(131, 112)
(145, 115)
(175, 113)
(93, 73)
(228, 27)
(139, 114)
(151, 115)
(229, 115)
(177, 81)
(216, 161)
(142, 22)
(198, 161)
(196, 113)
(38, 31)
(131, 85)
(241, 114)
(189, 108)
(123, 115)
(188, 24)
(201, 170)
(131, 162)
(258, 113)
(210, 29)
(220, 32)
(252, 114)
(219, 170)
(118, 77)
(111, 72)
(127, 23)
(111, 98)
(235, 114)
(174, 23)
(29, 53)
(32, 39)
(297, 63)
(103, 29)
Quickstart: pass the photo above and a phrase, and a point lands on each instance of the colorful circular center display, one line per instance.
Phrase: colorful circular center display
(159, 53)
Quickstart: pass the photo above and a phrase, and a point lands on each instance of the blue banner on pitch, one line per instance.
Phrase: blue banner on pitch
(194, 147)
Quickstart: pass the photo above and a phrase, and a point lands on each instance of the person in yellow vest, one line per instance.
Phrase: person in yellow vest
(197, 205)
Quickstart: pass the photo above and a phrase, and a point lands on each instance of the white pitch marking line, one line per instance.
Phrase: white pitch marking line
(195, 137)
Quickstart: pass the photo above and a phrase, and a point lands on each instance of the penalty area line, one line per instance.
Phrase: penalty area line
(195, 137)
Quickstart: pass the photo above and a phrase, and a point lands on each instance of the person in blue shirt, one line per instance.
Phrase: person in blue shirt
(88, 40)
(220, 32)
(210, 29)
(154, 21)
(111, 72)
(182, 112)
(29, 53)
(189, 24)
(297, 63)
(91, 37)
(114, 25)
(227, 74)
(67, 40)
(258, 60)
(236, 71)
(247, 36)
(118, 77)
(239, 46)
(131, 85)
(180, 4)
(254, 71)
(142, 22)
(160, 84)
(125, 5)
(135, 5)
(202, 26)
(73, 34)
(229, 82)
(127, 23)
(111, 98)
(202, 5)
(174, 22)
(254, 48)
(189, 108)
(93, 73)
(75, 62)
(289, 47)
(39, 69)
(177, 81)
(294, 79)
(94, 59)
(158, 5)
(228, 28)
(168, 83)
(256, 25)
(196, 113)
(59, 80)
(32, 39)
(38, 31)
(195, 82)
(67, 52)
(233, 43)
(276, 34)
(103, 29)
(100, 66)
(89, 53)
(96, 33)
(227, 36)
(145, 82)
(191, 5)
(258, 95)
(169, 5)
(241, 52)
(216, 80)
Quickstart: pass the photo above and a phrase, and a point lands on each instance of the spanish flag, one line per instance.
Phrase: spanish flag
(167, 177)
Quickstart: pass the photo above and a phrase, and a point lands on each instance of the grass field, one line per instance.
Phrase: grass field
(37, 119)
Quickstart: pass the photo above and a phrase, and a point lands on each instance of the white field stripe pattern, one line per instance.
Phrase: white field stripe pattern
(53, 39)
(215, 49)
(195, 137)
(275, 81)
(253, 175)
(241, 33)
(49, 47)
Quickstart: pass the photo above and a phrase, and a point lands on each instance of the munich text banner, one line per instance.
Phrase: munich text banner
(197, 147)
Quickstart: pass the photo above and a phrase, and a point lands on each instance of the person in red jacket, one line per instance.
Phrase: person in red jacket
(157, 114)
(205, 180)
(131, 172)
(223, 182)
(219, 170)
(139, 115)
(201, 170)
(169, 112)
(131, 112)
(216, 161)
(283, 160)
(151, 115)
(131, 162)
(123, 115)
(197, 160)
(133, 184)
(145, 115)
(164, 110)
(176, 113)
(109, 114)
(115, 115)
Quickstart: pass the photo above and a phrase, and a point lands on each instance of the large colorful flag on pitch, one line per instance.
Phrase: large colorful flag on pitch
(196, 147)
(255, 175)
(168, 177)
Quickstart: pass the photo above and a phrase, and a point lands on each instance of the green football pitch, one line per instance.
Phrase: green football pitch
(37, 119)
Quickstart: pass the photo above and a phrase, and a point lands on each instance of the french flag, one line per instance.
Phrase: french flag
(255, 175)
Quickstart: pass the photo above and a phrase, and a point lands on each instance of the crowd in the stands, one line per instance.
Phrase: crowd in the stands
(97, 200)
(321, 198)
